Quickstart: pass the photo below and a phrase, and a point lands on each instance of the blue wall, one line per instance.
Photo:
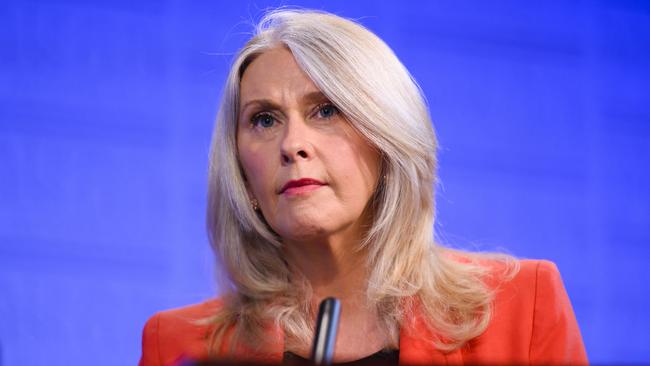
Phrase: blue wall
(106, 111)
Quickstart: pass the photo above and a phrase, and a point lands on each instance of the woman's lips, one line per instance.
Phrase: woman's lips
(300, 186)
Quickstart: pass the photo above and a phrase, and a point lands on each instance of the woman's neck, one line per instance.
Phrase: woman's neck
(333, 266)
(339, 269)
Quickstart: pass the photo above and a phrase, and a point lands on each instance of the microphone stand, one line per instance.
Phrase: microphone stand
(326, 327)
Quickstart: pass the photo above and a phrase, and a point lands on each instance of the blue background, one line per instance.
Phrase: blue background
(106, 112)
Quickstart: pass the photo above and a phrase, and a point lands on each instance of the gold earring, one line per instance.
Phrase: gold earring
(255, 204)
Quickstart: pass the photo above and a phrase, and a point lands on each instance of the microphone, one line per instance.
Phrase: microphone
(326, 327)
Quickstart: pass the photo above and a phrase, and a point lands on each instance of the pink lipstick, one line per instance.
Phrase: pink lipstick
(300, 186)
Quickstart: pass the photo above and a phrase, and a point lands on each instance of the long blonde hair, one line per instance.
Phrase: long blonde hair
(361, 75)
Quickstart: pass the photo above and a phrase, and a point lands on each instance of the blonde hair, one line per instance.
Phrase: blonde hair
(361, 75)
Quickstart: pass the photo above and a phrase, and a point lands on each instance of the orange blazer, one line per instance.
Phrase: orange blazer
(533, 323)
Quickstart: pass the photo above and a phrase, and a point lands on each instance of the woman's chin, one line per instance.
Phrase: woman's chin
(302, 232)
(309, 224)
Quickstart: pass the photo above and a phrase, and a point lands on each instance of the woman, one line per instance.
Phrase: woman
(322, 177)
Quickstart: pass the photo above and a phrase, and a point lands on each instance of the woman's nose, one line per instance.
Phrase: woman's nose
(296, 144)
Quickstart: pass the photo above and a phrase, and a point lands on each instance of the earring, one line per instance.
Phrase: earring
(255, 204)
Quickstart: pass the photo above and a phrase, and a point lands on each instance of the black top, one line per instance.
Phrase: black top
(381, 358)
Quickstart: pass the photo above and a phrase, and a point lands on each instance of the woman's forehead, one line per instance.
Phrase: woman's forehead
(276, 75)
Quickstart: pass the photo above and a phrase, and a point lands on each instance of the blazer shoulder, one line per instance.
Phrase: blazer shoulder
(555, 337)
(540, 281)
(533, 271)
(194, 311)
(533, 321)
(528, 286)
(171, 335)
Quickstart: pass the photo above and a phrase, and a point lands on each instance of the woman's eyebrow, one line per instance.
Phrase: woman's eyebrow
(314, 97)
(309, 98)
(264, 103)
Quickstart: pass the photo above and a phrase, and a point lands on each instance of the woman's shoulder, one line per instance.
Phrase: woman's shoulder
(521, 282)
(171, 335)
(501, 269)
(533, 319)
(528, 279)
(195, 311)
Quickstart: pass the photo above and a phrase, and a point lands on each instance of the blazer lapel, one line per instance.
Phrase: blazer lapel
(416, 347)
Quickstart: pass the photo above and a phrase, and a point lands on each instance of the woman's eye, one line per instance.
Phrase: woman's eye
(263, 120)
(327, 111)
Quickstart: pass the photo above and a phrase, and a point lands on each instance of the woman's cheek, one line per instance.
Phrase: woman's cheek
(261, 177)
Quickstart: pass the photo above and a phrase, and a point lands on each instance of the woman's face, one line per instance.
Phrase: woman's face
(310, 171)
